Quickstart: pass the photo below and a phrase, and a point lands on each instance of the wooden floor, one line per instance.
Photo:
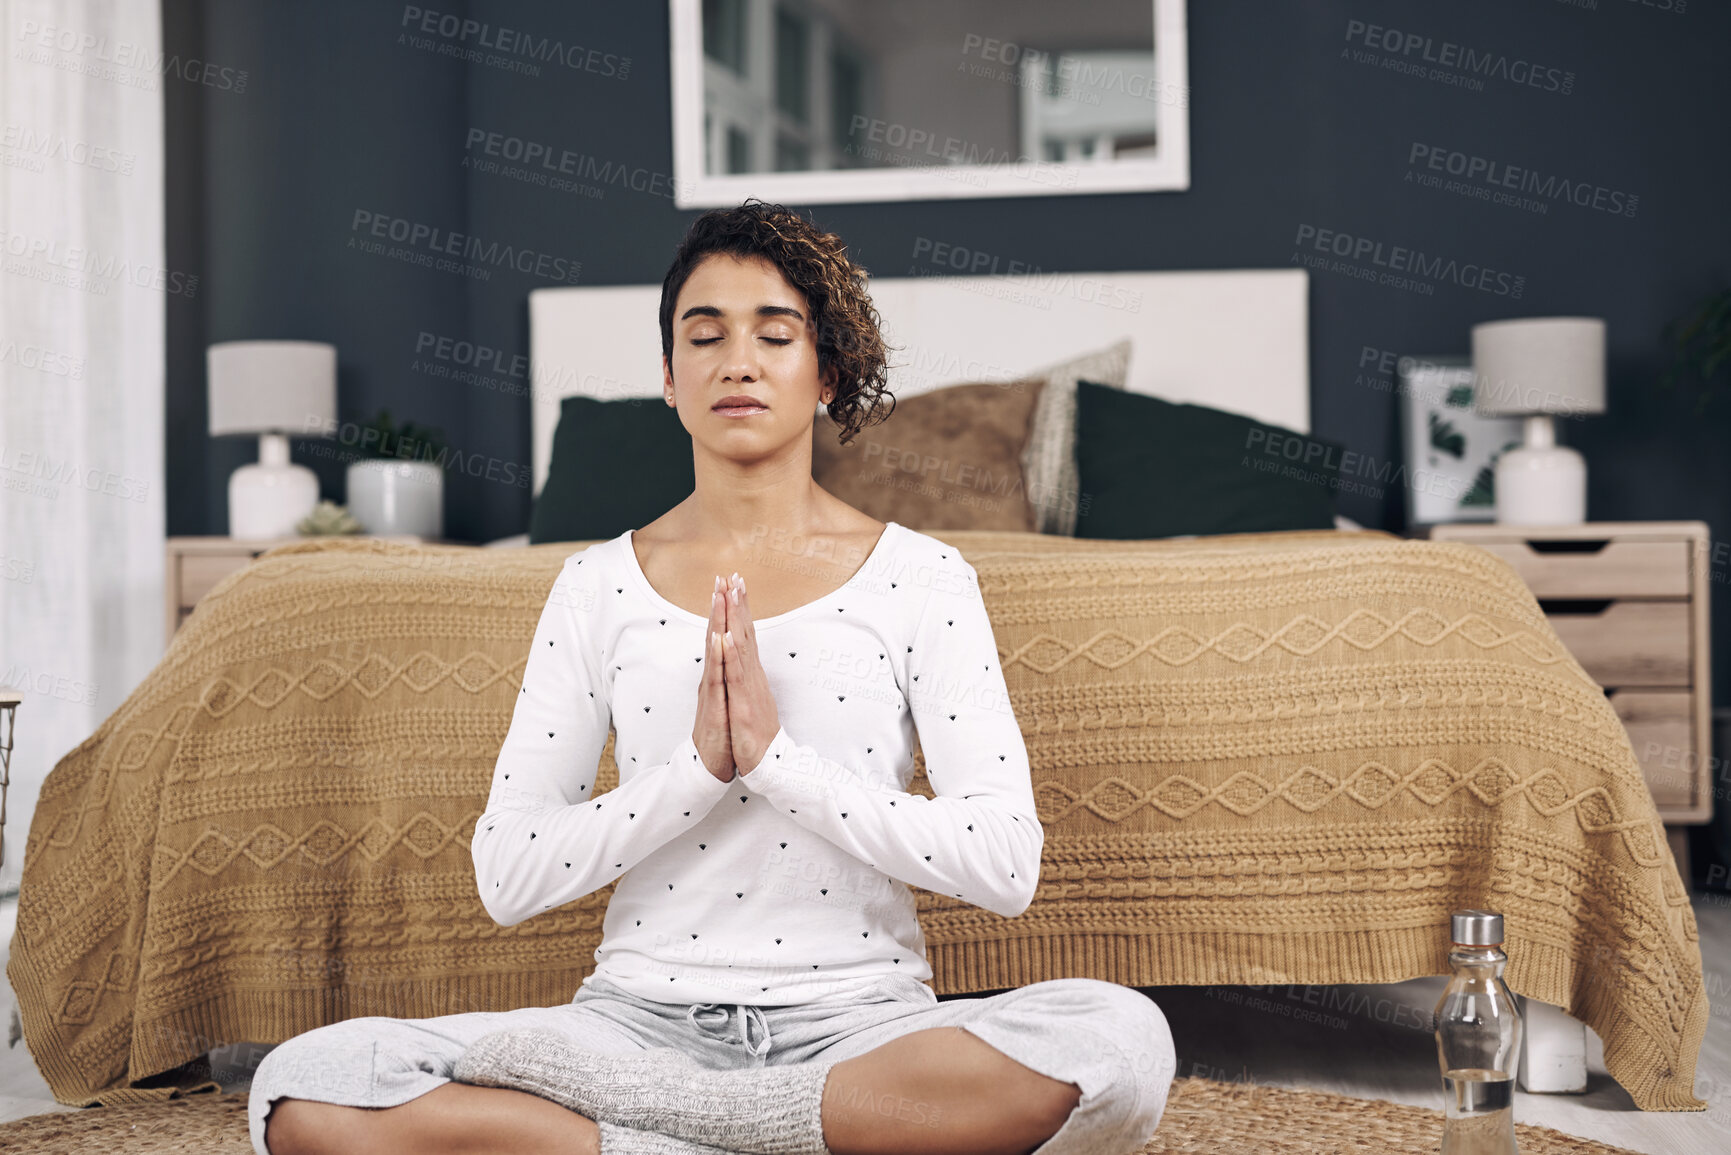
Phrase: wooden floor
(1381, 1049)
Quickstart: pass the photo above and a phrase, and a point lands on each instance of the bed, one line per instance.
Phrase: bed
(1260, 758)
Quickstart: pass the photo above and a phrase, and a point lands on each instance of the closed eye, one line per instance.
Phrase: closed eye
(771, 340)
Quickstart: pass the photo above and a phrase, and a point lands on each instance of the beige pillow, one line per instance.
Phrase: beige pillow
(949, 458)
(1049, 461)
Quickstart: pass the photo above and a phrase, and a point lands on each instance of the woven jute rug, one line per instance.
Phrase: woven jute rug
(1202, 1115)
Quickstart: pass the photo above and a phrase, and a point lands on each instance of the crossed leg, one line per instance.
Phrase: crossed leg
(941, 1091)
(1088, 1062)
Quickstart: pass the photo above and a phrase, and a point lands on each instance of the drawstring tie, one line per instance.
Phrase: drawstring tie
(713, 1017)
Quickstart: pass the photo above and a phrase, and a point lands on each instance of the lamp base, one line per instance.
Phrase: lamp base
(1541, 482)
(269, 499)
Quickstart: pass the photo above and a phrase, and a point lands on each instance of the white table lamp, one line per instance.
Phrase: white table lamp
(1538, 368)
(272, 389)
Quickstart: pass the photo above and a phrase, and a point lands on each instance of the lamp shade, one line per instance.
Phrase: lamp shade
(272, 386)
(1539, 365)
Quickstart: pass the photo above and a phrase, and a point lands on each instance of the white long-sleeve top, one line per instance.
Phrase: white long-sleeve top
(788, 883)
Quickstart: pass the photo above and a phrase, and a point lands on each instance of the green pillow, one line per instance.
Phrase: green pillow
(1152, 468)
(616, 465)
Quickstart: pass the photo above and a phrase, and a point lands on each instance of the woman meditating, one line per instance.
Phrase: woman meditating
(766, 656)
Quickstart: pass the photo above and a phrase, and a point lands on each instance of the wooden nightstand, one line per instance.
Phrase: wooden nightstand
(1629, 600)
(195, 564)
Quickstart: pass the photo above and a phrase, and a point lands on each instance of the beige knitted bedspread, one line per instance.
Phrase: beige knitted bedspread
(1266, 758)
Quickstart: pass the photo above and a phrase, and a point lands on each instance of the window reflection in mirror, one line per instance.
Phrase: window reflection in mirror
(826, 85)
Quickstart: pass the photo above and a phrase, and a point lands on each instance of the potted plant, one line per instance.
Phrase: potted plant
(328, 519)
(1701, 345)
(398, 486)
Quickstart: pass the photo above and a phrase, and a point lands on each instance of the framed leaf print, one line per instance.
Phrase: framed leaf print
(1450, 450)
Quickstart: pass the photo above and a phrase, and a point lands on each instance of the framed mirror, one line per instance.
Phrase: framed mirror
(825, 101)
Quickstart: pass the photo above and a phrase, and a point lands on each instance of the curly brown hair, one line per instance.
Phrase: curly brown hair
(816, 263)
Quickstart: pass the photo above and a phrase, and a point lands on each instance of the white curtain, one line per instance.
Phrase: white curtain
(82, 301)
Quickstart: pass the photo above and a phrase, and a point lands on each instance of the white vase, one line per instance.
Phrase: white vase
(388, 496)
(269, 499)
(1540, 482)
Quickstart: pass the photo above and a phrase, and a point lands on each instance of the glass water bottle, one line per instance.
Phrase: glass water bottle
(1478, 1040)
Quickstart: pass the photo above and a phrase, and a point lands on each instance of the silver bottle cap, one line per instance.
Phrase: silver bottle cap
(1477, 928)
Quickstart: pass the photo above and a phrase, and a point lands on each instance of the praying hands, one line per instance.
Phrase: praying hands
(736, 714)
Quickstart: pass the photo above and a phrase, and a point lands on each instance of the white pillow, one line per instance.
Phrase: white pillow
(1049, 470)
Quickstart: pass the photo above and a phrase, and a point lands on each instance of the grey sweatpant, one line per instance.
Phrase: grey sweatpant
(1110, 1040)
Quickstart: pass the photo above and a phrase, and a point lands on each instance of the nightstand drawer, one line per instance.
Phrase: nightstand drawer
(1627, 643)
(1617, 569)
(1661, 727)
(1630, 601)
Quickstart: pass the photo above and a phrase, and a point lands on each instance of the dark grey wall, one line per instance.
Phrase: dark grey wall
(1288, 129)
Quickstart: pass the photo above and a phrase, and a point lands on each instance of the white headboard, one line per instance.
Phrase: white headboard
(1235, 340)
